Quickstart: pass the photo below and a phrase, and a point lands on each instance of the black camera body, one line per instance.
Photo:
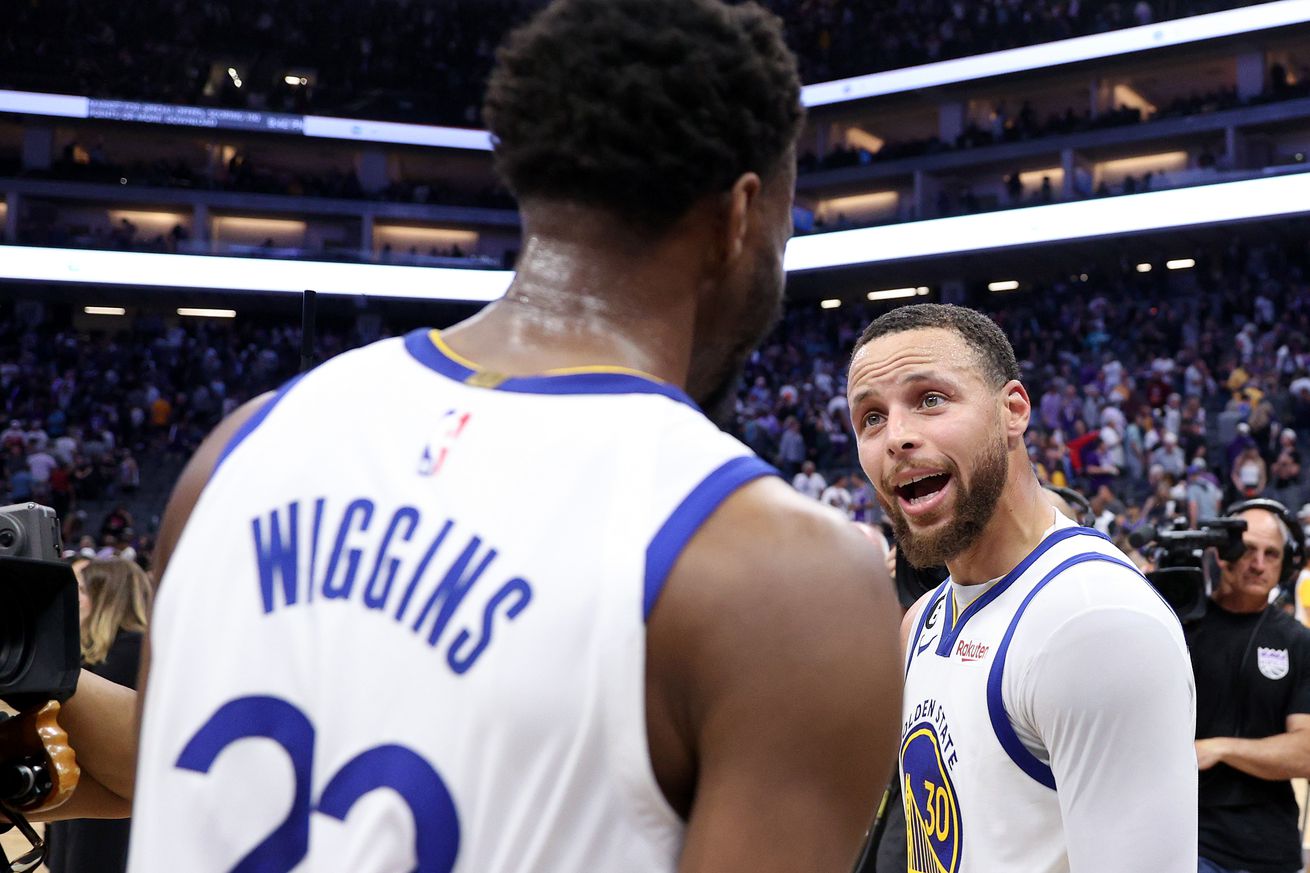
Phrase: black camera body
(1179, 557)
(40, 650)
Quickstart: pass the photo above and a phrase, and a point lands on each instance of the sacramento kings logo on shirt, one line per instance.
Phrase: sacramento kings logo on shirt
(1273, 663)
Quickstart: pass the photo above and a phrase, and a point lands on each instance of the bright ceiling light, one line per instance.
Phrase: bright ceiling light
(1180, 264)
(104, 310)
(829, 304)
(1007, 285)
(895, 293)
(1143, 268)
(207, 313)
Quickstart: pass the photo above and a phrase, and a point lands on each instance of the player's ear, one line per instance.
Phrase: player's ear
(1017, 406)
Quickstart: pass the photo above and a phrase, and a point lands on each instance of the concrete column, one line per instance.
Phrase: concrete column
(925, 195)
(371, 168)
(1250, 74)
(1234, 149)
(38, 147)
(12, 202)
(1077, 175)
(366, 235)
(950, 121)
(200, 234)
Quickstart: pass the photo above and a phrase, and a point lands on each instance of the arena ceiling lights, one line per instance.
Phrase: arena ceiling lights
(150, 269)
(1263, 16)
(1059, 222)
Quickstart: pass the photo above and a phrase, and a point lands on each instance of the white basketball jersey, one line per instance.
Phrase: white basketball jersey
(404, 628)
(976, 772)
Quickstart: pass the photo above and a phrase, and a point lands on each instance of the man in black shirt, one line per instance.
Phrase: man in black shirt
(1252, 666)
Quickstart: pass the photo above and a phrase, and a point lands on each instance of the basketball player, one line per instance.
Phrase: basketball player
(656, 657)
(1049, 701)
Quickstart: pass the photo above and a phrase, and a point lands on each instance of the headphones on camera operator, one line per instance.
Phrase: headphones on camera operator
(1293, 546)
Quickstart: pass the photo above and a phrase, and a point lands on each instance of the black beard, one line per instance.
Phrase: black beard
(975, 504)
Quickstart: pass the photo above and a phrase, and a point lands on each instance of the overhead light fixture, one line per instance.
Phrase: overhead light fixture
(898, 293)
(291, 80)
(159, 270)
(1143, 268)
(1181, 264)
(104, 310)
(207, 313)
(1263, 198)
(829, 304)
(1007, 285)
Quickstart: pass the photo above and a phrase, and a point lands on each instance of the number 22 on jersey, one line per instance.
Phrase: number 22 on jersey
(404, 771)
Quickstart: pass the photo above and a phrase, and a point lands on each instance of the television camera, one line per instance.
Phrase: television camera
(1178, 555)
(40, 660)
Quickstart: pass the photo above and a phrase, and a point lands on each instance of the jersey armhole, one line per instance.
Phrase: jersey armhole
(690, 514)
(1023, 758)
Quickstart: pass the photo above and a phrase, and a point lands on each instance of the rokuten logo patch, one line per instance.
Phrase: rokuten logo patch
(932, 809)
(1273, 663)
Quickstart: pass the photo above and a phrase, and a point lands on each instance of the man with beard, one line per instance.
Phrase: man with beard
(658, 656)
(1049, 702)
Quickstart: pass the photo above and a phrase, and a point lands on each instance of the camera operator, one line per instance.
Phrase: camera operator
(1252, 666)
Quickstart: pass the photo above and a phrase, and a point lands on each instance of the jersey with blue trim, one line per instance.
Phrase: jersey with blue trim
(1049, 720)
(405, 625)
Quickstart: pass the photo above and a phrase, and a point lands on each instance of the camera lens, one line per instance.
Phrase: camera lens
(8, 537)
(15, 642)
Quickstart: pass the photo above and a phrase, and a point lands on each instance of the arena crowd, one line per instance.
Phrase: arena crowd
(412, 62)
(1156, 395)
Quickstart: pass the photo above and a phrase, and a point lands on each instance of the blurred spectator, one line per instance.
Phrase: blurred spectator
(838, 496)
(114, 598)
(809, 482)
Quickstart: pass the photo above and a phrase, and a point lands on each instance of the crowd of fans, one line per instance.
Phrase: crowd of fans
(1157, 395)
(84, 414)
(427, 61)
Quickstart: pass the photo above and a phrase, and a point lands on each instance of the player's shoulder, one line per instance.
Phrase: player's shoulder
(1102, 591)
(768, 533)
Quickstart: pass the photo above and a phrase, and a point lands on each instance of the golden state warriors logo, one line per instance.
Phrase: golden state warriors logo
(932, 810)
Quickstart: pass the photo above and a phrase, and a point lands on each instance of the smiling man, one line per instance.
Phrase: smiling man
(1049, 702)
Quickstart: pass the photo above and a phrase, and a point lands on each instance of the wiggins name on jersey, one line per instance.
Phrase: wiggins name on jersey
(405, 625)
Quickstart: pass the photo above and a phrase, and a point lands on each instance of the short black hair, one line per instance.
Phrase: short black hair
(994, 352)
(642, 107)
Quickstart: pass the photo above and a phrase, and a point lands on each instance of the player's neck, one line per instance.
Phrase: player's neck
(1018, 525)
(575, 302)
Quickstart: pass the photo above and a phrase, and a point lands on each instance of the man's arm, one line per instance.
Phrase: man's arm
(1282, 756)
(1111, 695)
(773, 686)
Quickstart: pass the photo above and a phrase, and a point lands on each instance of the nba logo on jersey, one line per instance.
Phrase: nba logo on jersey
(932, 810)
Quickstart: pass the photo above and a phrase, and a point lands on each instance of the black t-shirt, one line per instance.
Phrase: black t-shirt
(1252, 672)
